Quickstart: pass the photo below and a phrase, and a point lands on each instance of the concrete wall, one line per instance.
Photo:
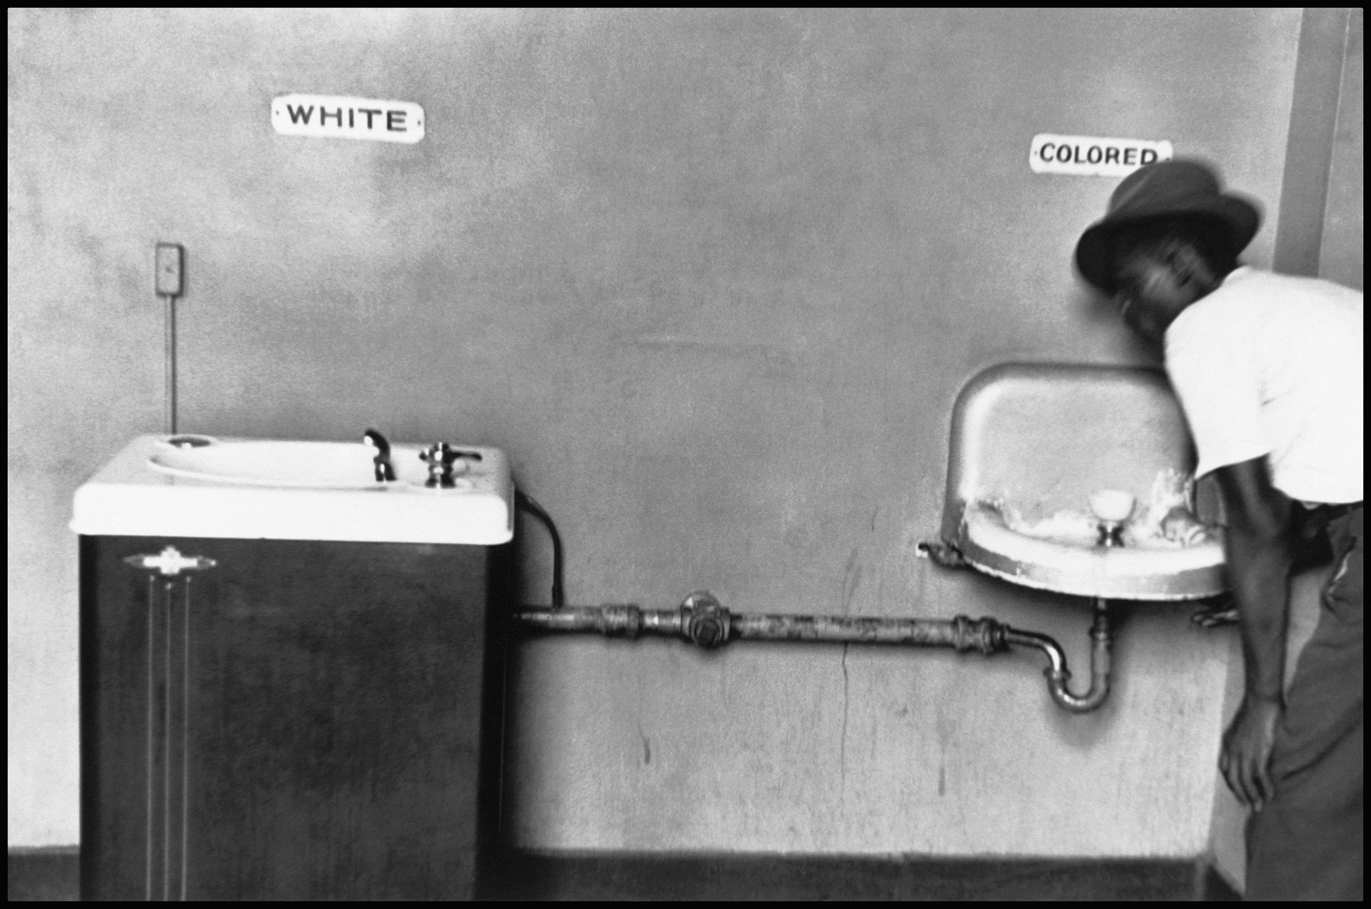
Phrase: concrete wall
(713, 278)
(1342, 253)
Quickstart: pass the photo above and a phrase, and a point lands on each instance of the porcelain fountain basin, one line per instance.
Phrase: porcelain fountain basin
(294, 490)
(283, 463)
(1077, 479)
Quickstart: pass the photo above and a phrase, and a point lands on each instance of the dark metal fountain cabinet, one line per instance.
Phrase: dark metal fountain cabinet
(290, 680)
(1033, 442)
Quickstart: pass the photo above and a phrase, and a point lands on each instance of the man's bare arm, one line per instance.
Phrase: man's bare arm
(1260, 551)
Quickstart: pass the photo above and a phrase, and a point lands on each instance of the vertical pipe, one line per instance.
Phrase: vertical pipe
(171, 362)
(185, 738)
(152, 723)
(167, 727)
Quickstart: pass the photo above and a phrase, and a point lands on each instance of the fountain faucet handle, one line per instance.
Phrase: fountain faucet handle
(441, 459)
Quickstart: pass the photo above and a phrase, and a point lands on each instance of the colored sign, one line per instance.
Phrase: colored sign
(339, 117)
(1093, 156)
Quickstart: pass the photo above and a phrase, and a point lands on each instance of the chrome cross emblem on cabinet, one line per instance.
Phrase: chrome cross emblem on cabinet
(170, 562)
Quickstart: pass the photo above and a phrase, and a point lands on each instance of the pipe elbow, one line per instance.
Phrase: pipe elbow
(1059, 677)
(1059, 687)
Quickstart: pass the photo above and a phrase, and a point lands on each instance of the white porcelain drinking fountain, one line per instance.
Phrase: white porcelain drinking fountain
(364, 490)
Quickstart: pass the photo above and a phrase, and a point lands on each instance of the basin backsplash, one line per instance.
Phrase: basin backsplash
(1045, 436)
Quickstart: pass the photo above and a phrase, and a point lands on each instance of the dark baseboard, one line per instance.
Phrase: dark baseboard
(44, 874)
(53, 874)
(621, 876)
(1214, 887)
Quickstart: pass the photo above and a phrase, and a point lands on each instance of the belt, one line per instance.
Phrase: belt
(1325, 513)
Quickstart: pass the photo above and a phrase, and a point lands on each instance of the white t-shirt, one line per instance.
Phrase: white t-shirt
(1271, 365)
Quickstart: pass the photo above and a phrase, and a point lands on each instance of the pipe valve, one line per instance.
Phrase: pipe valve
(706, 621)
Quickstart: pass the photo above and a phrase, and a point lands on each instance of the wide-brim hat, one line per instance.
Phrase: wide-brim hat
(1178, 188)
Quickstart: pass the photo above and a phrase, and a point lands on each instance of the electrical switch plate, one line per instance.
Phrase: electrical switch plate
(168, 269)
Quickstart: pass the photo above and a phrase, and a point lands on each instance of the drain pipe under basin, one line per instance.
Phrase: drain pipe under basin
(1058, 676)
(704, 621)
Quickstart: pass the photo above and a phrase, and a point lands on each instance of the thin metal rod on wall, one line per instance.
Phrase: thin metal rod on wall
(171, 362)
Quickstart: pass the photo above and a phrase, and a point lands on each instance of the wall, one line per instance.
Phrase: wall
(1320, 226)
(1342, 252)
(713, 278)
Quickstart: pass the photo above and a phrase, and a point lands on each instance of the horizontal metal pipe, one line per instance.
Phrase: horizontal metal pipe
(613, 620)
(702, 620)
(1055, 657)
(711, 626)
(960, 633)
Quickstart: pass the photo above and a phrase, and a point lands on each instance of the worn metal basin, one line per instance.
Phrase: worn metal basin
(1032, 443)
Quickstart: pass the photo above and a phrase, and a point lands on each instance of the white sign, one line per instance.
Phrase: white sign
(1093, 156)
(339, 117)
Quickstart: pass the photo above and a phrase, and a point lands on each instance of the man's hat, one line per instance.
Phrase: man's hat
(1167, 189)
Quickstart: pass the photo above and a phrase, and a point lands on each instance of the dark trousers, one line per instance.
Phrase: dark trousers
(1306, 843)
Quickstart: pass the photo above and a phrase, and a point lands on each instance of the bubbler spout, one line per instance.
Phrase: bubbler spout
(385, 472)
(1112, 508)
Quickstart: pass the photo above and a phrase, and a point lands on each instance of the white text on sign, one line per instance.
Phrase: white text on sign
(1092, 155)
(339, 117)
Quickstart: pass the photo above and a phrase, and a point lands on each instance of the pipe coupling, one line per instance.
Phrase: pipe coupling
(983, 634)
(625, 621)
(705, 621)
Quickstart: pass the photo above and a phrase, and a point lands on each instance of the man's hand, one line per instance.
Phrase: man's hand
(1245, 760)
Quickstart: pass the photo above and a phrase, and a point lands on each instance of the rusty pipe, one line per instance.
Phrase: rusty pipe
(1059, 677)
(703, 621)
(611, 620)
(961, 633)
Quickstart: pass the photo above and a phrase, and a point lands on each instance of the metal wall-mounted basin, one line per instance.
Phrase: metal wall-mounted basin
(1031, 444)
(1078, 565)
